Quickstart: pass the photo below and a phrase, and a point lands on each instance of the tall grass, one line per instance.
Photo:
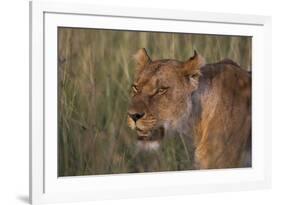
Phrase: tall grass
(95, 75)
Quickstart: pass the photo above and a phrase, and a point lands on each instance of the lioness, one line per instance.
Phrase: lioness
(209, 102)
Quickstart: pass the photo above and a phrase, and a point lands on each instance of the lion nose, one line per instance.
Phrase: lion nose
(136, 116)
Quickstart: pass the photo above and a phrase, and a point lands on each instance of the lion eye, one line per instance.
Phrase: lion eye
(161, 91)
(135, 89)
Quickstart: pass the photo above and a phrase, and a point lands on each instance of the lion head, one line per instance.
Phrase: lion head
(161, 96)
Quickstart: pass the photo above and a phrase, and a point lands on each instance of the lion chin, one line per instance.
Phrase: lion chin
(148, 145)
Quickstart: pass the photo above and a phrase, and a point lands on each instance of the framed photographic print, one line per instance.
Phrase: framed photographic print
(127, 103)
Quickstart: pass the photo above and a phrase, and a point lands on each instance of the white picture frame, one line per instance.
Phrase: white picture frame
(46, 186)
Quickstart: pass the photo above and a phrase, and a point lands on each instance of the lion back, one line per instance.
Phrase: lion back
(223, 131)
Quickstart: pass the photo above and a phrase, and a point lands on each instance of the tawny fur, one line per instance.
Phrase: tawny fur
(211, 103)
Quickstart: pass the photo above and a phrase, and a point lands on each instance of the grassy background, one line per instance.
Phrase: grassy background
(95, 74)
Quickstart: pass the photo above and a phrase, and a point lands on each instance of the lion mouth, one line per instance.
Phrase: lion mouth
(153, 135)
(144, 138)
(149, 141)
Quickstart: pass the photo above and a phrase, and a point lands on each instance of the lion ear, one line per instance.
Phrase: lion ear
(142, 58)
(193, 65)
